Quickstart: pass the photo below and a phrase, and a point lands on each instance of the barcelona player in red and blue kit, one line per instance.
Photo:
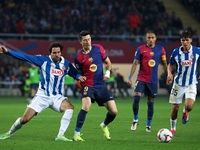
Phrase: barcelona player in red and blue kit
(89, 62)
(148, 56)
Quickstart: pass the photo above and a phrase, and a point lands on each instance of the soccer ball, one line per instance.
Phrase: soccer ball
(164, 135)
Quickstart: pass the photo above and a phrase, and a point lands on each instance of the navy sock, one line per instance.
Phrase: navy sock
(136, 106)
(80, 120)
(109, 118)
(150, 112)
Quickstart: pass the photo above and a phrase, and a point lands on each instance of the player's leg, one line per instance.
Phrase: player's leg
(151, 90)
(28, 115)
(67, 108)
(177, 93)
(139, 89)
(190, 97)
(86, 103)
(186, 109)
(112, 112)
(150, 111)
(173, 119)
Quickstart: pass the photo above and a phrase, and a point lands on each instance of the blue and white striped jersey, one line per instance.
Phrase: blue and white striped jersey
(51, 73)
(186, 72)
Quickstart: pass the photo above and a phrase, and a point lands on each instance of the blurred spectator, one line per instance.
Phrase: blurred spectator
(113, 17)
(121, 85)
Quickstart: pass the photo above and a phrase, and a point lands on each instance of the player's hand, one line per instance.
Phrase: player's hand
(3, 49)
(129, 81)
(82, 78)
(106, 75)
(169, 79)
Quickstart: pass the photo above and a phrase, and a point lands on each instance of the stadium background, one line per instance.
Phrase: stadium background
(30, 27)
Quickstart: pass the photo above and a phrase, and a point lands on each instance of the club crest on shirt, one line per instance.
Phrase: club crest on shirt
(63, 68)
(57, 72)
(151, 63)
(93, 67)
(151, 53)
(90, 59)
(192, 56)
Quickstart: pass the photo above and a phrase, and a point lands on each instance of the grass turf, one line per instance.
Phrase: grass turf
(40, 132)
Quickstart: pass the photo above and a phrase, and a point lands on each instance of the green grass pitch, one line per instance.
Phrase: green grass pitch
(40, 132)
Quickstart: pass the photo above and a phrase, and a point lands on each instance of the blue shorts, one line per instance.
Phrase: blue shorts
(99, 94)
(34, 86)
(149, 89)
(111, 84)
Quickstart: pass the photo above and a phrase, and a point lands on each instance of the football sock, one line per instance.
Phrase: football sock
(150, 110)
(17, 125)
(149, 113)
(149, 122)
(65, 121)
(109, 119)
(173, 124)
(136, 107)
(80, 120)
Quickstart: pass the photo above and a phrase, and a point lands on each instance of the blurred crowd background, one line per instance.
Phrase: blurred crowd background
(100, 17)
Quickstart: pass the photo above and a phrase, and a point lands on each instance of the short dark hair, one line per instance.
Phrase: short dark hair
(83, 33)
(186, 34)
(151, 31)
(55, 44)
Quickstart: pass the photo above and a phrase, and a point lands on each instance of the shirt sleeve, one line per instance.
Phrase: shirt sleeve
(73, 72)
(103, 52)
(137, 54)
(172, 60)
(163, 55)
(77, 64)
(34, 59)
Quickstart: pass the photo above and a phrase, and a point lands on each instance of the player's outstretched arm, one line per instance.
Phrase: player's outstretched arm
(3, 49)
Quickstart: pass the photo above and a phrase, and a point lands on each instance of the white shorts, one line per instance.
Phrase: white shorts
(178, 92)
(41, 102)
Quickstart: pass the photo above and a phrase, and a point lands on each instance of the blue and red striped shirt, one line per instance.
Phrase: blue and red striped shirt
(149, 60)
(91, 65)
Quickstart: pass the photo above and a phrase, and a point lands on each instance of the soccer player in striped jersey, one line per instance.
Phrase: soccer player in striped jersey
(186, 79)
(50, 92)
(148, 56)
(89, 61)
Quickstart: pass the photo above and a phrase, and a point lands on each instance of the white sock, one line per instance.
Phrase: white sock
(76, 133)
(64, 123)
(173, 124)
(135, 120)
(17, 125)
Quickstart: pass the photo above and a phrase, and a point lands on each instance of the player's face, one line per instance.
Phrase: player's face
(151, 39)
(86, 42)
(186, 42)
(55, 54)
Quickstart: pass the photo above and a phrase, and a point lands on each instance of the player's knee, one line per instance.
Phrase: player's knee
(114, 112)
(70, 107)
(24, 120)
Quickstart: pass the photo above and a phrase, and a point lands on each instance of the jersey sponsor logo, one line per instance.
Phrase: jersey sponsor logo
(187, 63)
(151, 63)
(93, 67)
(57, 72)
